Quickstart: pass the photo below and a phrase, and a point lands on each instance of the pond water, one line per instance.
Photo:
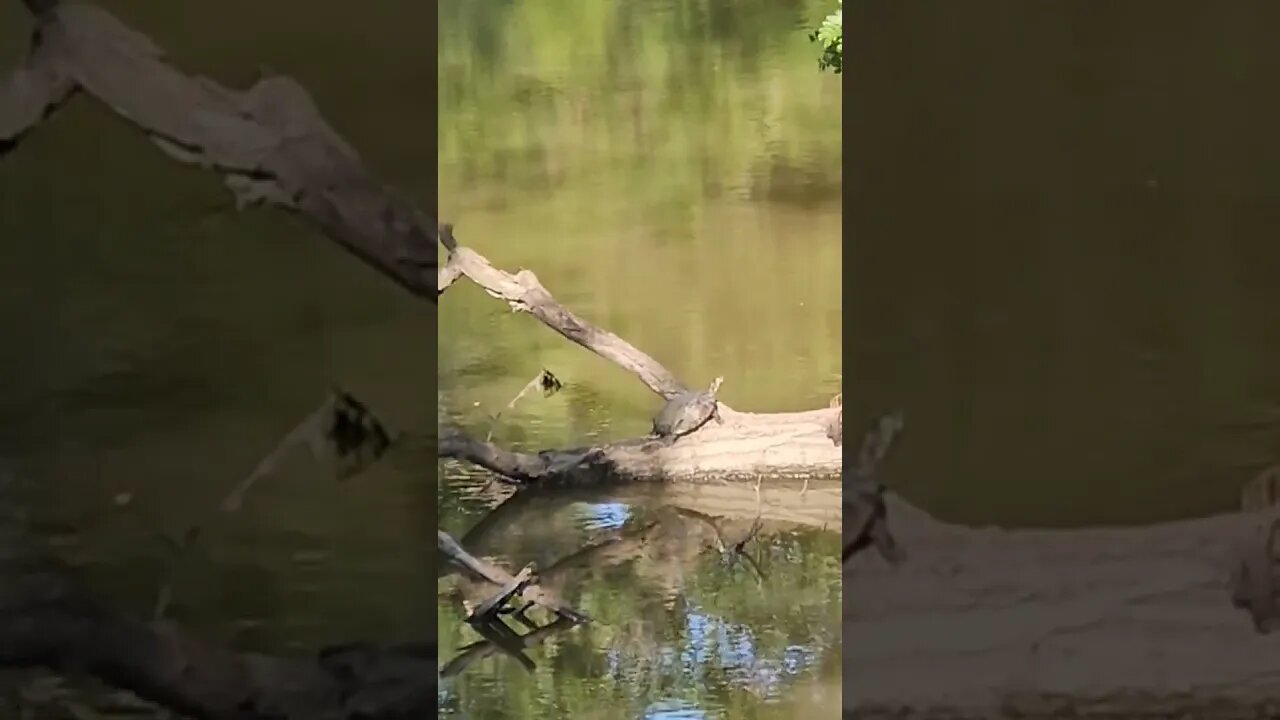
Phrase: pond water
(670, 169)
(1063, 265)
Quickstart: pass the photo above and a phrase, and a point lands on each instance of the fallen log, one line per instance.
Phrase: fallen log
(500, 638)
(1126, 622)
(747, 447)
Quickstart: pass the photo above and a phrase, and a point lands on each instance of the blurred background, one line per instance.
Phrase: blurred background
(1063, 233)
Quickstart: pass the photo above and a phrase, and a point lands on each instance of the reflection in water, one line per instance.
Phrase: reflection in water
(682, 620)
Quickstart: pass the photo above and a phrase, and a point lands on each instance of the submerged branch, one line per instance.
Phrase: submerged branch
(449, 548)
(490, 608)
(500, 638)
(32, 92)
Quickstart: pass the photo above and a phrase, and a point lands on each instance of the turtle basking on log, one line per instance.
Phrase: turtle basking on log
(864, 508)
(1254, 579)
(687, 412)
(835, 427)
(866, 513)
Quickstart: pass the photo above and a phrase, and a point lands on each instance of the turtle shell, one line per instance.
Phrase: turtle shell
(684, 413)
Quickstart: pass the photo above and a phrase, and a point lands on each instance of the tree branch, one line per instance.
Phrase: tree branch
(33, 91)
(269, 143)
(525, 293)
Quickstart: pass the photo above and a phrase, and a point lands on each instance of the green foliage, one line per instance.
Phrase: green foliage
(831, 36)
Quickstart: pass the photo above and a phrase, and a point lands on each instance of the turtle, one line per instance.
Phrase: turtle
(1253, 579)
(687, 412)
(866, 517)
(835, 426)
(868, 522)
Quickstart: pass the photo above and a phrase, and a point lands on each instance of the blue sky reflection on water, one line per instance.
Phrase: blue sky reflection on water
(678, 632)
(606, 516)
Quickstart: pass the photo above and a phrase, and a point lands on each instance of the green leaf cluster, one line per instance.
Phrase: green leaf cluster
(831, 36)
